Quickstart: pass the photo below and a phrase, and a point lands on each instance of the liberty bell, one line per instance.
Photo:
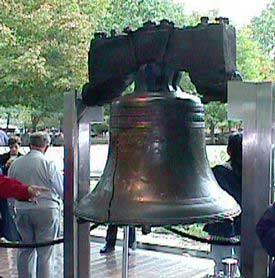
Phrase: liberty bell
(157, 172)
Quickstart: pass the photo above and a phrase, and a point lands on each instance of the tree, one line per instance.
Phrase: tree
(9, 113)
(43, 51)
(215, 112)
(133, 13)
(263, 29)
(252, 62)
(44, 45)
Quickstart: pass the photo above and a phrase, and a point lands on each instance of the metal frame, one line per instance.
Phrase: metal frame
(250, 102)
(125, 258)
(253, 103)
(77, 120)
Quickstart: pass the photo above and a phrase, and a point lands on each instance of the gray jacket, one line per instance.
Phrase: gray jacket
(34, 169)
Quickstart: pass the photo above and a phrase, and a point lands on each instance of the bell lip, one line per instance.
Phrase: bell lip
(155, 222)
(83, 216)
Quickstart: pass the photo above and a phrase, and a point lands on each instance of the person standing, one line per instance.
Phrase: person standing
(9, 230)
(37, 222)
(229, 177)
(7, 158)
(3, 138)
(112, 236)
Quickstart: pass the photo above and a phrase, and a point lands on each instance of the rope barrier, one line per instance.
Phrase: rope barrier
(18, 245)
(224, 242)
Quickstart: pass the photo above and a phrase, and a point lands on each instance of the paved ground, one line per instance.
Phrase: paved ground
(142, 264)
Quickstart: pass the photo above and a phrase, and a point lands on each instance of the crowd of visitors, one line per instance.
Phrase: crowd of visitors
(37, 185)
(56, 135)
(37, 221)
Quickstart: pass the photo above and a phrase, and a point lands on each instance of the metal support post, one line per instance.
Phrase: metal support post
(253, 104)
(83, 229)
(125, 262)
(77, 119)
(70, 174)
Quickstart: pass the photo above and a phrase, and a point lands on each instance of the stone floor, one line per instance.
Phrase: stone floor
(142, 263)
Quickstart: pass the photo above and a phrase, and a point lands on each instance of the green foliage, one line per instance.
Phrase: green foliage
(43, 51)
(195, 229)
(133, 13)
(252, 62)
(216, 112)
(44, 47)
(100, 128)
(187, 85)
(8, 113)
(263, 28)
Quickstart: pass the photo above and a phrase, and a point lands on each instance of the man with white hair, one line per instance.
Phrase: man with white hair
(37, 222)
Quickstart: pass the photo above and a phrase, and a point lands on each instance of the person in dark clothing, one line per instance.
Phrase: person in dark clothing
(7, 158)
(229, 177)
(265, 230)
(7, 207)
(112, 236)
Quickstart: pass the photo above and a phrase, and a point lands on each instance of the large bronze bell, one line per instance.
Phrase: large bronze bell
(157, 172)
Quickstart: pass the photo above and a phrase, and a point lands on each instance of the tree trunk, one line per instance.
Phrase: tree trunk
(8, 121)
(35, 121)
(229, 126)
(212, 132)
